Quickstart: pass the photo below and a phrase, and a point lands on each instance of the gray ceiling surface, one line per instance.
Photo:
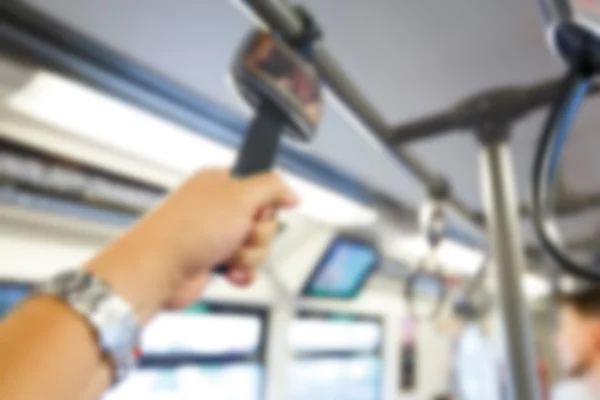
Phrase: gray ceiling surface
(410, 58)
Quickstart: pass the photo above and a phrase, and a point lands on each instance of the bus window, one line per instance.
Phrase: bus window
(217, 351)
(335, 358)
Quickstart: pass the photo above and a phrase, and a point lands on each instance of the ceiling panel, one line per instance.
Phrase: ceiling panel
(193, 42)
(413, 58)
(410, 58)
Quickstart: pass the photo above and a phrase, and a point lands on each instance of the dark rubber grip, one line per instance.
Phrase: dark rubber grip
(259, 150)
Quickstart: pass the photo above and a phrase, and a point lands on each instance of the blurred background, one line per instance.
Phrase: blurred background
(105, 106)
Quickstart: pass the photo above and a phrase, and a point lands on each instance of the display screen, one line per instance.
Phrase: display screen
(267, 66)
(202, 334)
(343, 270)
(10, 295)
(224, 382)
(335, 378)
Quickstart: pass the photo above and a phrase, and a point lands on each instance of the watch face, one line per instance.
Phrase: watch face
(112, 318)
(82, 289)
(70, 282)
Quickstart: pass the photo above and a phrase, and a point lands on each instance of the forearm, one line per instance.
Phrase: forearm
(48, 352)
(100, 381)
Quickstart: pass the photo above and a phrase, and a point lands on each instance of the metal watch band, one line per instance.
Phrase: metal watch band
(112, 318)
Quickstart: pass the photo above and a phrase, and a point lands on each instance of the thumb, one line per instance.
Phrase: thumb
(268, 189)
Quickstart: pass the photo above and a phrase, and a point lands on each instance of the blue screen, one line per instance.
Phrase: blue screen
(10, 296)
(342, 271)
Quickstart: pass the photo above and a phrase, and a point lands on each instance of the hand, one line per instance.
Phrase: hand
(166, 259)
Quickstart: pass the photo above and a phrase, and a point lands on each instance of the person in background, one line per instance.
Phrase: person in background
(578, 345)
(53, 346)
(475, 368)
(543, 370)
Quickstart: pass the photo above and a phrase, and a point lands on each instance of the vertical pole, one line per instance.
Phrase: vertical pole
(501, 208)
(278, 350)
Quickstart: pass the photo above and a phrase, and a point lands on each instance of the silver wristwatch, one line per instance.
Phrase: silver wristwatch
(112, 318)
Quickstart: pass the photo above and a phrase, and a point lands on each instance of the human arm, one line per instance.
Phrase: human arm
(48, 351)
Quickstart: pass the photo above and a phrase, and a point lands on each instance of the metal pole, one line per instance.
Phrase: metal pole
(279, 16)
(501, 207)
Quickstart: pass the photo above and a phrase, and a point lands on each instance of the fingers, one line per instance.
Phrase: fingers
(255, 250)
(263, 233)
(249, 258)
(240, 277)
(245, 264)
(268, 189)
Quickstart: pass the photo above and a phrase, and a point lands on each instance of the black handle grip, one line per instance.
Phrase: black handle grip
(259, 149)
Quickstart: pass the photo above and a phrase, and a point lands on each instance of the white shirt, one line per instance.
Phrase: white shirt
(572, 389)
(477, 375)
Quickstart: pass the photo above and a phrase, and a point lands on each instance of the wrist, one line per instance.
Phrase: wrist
(110, 317)
(140, 270)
